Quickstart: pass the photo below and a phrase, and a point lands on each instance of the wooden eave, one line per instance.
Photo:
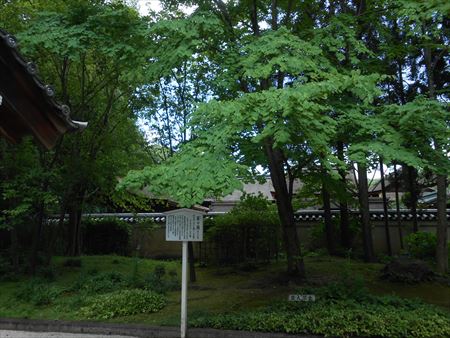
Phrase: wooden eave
(28, 105)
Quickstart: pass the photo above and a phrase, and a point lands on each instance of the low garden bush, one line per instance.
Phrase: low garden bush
(99, 282)
(251, 231)
(123, 303)
(421, 244)
(38, 292)
(407, 270)
(161, 282)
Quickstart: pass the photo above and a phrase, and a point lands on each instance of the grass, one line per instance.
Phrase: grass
(217, 290)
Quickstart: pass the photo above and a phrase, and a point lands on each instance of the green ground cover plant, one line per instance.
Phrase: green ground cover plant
(37, 292)
(343, 318)
(343, 308)
(98, 283)
(123, 303)
(350, 297)
(93, 283)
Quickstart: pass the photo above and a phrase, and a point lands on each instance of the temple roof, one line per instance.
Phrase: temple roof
(27, 105)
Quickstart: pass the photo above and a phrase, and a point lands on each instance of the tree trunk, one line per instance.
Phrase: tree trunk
(56, 233)
(74, 229)
(369, 255)
(385, 210)
(441, 231)
(412, 187)
(14, 249)
(329, 231)
(36, 239)
(397, 207)
(295, 262)
(441, 203)
(192, 275)
(344, 221)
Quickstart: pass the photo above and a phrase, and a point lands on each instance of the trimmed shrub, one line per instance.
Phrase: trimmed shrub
(250, 232)
(108, 236)
(407, 270)
(421, 244)
(123, 303)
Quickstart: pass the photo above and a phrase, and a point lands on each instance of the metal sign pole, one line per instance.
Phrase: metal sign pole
(184, 225)
(184, 270)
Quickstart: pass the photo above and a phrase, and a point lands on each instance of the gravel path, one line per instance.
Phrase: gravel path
(28, 334)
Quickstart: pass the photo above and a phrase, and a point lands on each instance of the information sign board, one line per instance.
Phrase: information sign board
(184, 225)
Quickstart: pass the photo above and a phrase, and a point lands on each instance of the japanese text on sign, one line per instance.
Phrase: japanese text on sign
(184, 227)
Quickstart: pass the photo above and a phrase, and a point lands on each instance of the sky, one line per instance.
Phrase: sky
(155, 5)
(146, 5)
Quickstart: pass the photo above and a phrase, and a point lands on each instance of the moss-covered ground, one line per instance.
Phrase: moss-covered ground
(217, 290)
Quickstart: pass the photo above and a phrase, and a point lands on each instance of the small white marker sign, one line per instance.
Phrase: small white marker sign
(184, 225)
(302, 298)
